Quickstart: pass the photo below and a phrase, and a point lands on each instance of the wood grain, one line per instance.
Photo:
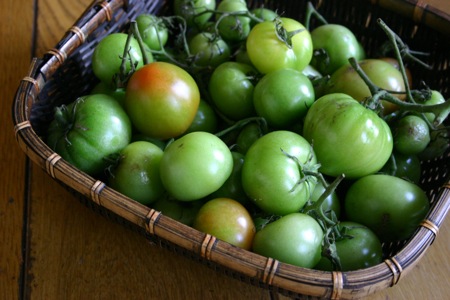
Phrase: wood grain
(15, 57)
(73, 253)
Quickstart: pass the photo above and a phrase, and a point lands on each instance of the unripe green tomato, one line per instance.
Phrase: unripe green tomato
(194, 11)
(411, 135)
(153, 31)
(195, 165)
(436, 98)
(233, 27)
(283, 97)
(359, 248)
(339, 44)
(294, 239)
(107, 57)
(137, 173)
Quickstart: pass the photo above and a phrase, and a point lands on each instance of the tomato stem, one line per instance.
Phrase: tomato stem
(284, 35)
(441, 110)
(310, 12)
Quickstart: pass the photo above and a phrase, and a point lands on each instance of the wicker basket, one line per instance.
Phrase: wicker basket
(64, 73)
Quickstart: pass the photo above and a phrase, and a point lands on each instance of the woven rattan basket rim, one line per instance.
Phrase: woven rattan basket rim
(268, 271)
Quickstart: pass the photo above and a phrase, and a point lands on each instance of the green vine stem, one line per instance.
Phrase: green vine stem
(310, 12)
(441, 111)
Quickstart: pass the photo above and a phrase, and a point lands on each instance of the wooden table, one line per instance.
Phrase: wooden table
(52, 247)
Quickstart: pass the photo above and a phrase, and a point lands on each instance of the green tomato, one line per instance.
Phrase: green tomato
(153, 31)
(209, 50)
(248, 135)
(268, 52)
(231, 89)
(358, 248)
(232, 188)
(411, 135)
(228, 220)
(88, 130)
(338, 44)
(390, 206)
(205, 119)
(404, 166)
(234, 27)
(195, 165)
(103, 88)
(436, 98)
(181, 211)
(107, 57)
(347, 137)
(137, 173)
(264, 14)
(194, 11)
(283, 97)
(272, 174)
(294, 239)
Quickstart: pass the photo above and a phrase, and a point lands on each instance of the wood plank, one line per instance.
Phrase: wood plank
(75, 252)
(15, 54)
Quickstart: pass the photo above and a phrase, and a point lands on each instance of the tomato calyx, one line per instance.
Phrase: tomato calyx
(309, 172)
(284, 35)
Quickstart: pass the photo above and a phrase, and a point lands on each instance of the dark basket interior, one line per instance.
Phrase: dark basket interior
(75, 77)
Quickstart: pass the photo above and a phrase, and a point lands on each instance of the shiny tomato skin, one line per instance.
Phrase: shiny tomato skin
(231, 89)
(272, 178)
(228, 220)
(283, 97)
(88, 130)
(390, 206)
(347, 137)
(339, 43)
(359, 248)
(137, 173)
(268, 53)
(162, 100)
(107, 57)
(295, 239)
(195, 165)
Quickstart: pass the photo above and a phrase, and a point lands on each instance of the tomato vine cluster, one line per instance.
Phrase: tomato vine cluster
(251, 126)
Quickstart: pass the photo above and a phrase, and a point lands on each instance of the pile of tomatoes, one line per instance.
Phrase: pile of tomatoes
(250, 126)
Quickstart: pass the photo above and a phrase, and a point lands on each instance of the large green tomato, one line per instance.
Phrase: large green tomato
(338, 44)
(347, 137)
(136, 174)
(162, 100)
(195, 165)
(390, 206)
(294, 239)
(107, 57)
(270, 46)
(88, 130)
(283, 97)
(228, 220)
(231, 89)
(273, 172)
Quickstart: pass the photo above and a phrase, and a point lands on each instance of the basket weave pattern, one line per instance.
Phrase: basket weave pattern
(64, 73)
